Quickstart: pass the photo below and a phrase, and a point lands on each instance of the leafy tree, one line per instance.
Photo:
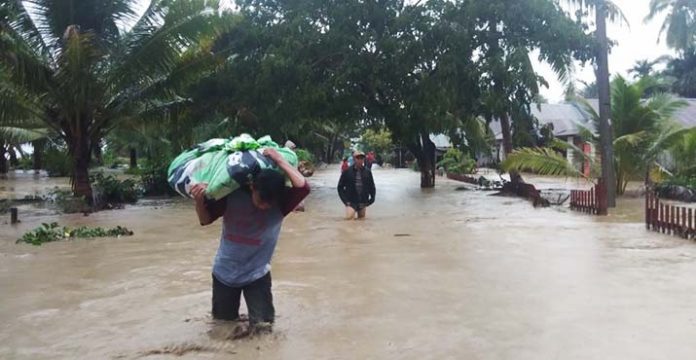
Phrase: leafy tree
(603, 10)
(679, 26)
(681, 72)
(643, 68)
(643, 131)
(379, 141)
(684, 156)
(456, 162)
(81, 73)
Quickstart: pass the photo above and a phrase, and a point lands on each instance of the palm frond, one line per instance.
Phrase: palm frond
(542, 161)
(665, 105)
(630, 140)
(613, 11)
(566, 146)
(16, 135)
(153, 47)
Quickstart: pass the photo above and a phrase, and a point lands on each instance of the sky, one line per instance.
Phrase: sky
(636, 41)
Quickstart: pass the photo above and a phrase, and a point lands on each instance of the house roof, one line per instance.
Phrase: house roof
(441, 141)
(568, 119)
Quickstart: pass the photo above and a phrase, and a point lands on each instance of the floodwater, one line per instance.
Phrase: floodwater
(432, 274)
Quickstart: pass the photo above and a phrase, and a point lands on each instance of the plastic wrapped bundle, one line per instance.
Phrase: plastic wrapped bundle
(223, 164)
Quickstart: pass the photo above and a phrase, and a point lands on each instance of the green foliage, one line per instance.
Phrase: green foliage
(683, 153)
(84, 70)
(456, 162)
(25, 163)
(111, 158)
(379, 141)
(53, 232)
(153, 179)
(57, 162)
(133, 171)
(544, 161)
(67, 203)
(642, 129)
(681, 72)
(685, 181)
(679, 26)
(304, 155)
(113, 191)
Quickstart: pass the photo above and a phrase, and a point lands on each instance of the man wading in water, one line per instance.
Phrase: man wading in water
(357, 188)
(251, 221)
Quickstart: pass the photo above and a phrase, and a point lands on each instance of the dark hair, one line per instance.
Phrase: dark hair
(270, 185)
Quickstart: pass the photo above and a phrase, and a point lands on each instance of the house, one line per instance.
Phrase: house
(567, 122)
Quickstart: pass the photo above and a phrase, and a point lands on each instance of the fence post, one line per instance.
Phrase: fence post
(692, 231)
(603, 206)
(14, 218)
(647, 209)
(592, 201)
(662, 218)
(656, 203)
(672, 224)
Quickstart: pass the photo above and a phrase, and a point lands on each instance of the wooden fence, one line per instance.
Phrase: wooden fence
(669, 219)
(591, 201)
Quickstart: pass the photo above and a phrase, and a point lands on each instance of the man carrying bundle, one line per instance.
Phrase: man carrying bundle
(252, 218)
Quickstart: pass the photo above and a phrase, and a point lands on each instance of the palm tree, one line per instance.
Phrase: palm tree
(683, 154)
(643, 130)
(82, 67)
(642, 68)
(679, 24)
(604, 9)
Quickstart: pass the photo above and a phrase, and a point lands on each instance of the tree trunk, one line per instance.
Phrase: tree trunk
(507, 134)
(425, 154)
(80, 152)
(330, 148)
(14, 162)
(133, 158)
(98, 154)
(37, 156)
(605, 131)
(3, 161)
(506, 129)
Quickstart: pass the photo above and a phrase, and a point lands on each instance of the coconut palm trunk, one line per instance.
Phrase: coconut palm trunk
(605, 131)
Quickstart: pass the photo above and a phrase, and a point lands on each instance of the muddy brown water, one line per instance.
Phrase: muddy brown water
(432, 274)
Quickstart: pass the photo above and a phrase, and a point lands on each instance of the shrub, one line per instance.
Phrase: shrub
(66, 202)
(304, 155)
(57, 162)
(53, 232)
(112, 191)
(456, 162)
(153, 179)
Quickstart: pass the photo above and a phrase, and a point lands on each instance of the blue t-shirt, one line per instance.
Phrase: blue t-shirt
(249, 236)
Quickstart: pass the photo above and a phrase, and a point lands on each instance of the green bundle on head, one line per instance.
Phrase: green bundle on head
(224, 164)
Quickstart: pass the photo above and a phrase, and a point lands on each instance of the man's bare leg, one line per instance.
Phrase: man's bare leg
(350, 213)
(362, 213)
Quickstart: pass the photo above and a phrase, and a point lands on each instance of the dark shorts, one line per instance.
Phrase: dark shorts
(257, 296)
(358, 207)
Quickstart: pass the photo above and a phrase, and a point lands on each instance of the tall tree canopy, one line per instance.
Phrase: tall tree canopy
(83, 67)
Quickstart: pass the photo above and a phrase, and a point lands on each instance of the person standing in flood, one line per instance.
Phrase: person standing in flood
(252, 218)
(356, 188)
